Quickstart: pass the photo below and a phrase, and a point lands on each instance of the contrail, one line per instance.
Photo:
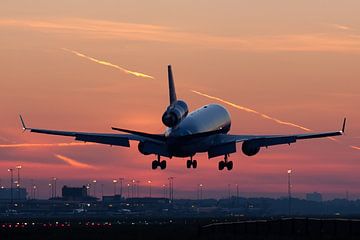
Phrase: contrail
(137, 74)
(29, 145)
(73, 162)
(252, 111)
(263, 115)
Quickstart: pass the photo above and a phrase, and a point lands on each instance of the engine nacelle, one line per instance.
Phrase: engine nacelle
(143, 148)
(175, 113)
(250, 148)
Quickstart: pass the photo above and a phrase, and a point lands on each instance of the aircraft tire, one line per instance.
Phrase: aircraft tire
(229, 165)
(221, 165)
(154, 164)
(194, 164)
(163, 165)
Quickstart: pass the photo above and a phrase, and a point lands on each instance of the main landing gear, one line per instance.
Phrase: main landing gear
(158, 163)
(226, 163)
(191, 163)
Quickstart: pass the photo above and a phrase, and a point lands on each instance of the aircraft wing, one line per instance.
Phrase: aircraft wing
(102, 138)
(226, 142)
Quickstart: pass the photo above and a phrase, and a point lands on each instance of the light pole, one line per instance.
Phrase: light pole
(50, 190)
(149, 182)
(35, 188)
(201, 191)
(132, 188)
(289, 189)
(121, 186)
(94, 182)
(128, 190)
(164, 189)
(54, 188)
(11, 182)
(18, 167)
(114, 182)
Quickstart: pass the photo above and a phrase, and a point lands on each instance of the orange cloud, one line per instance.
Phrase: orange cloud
(73, 162)
(137, 74)
(354, 147)
(341, 27)
(329, 42)
(31, 145)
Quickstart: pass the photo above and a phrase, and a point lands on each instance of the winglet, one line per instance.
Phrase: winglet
(23, 123)
(343, 126)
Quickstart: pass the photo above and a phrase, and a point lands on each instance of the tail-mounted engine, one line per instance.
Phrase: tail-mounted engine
(175, 113)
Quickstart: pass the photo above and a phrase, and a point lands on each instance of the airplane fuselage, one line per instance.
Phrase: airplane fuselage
(211, 117)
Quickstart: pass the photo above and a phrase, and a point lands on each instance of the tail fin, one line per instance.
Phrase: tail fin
(172, 92)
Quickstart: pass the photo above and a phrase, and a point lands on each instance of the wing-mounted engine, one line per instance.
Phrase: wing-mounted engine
(175, 113)
(250, 148)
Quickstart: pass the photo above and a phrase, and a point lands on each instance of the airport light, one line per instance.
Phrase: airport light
(94, 182)
(289, 189)
(164, 190)
(149, 182)
(50, 190)
(18, 167)
(114, 182)
(128, 190)
(11, 182)
(34, 189)
(132, 188)
(54, 188)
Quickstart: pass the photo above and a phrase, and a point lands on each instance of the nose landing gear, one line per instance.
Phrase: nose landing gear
(158, 163)
(228, 164)
(191, 163)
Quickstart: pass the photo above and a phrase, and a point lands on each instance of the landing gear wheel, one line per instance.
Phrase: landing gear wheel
(221, 165)
(154, 164)
(229, 165)
(163, 165)
(194, 164)
(188, 163)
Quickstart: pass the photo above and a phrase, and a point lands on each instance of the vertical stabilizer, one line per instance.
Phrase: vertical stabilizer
(172, 92)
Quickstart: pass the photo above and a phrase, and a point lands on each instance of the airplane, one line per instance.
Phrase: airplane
(204, 130)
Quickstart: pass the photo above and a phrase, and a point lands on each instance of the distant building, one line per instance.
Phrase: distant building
(17, 193)
(113, 198)
(74, 193)
(315, 197)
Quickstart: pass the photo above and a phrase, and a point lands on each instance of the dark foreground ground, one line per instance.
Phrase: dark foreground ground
(292, 228)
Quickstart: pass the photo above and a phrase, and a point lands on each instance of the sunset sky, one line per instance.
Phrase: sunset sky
(89, 65)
